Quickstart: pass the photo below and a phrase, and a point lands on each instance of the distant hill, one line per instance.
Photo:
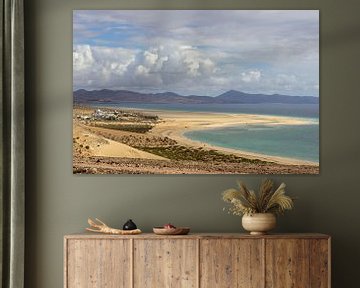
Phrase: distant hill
(230, 97)
(234, 96)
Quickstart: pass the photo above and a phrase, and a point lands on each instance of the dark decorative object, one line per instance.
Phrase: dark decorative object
(129, 225)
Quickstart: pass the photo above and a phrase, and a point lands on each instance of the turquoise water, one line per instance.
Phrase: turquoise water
(295, 141)
(292, 141)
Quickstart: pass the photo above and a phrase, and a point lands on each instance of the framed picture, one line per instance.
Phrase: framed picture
(196, 92)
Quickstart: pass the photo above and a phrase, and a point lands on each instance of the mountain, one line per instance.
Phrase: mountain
(234, 96)
(83, 96)
(116, 96)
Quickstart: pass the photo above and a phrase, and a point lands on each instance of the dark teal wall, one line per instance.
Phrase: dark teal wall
(59, 203)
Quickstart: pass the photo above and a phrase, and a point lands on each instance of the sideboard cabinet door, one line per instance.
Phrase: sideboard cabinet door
(320, 263)
(287, 263)
(165, 263)
(98, 263)
(297, 263)
(231, 263)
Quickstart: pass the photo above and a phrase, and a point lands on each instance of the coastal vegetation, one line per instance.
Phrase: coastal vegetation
(137, 128)
(179, 152)
(116, 141)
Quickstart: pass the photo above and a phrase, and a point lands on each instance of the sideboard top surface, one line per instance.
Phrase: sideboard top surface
(87, 235)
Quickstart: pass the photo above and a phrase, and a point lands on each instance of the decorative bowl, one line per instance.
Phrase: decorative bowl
(171, 231)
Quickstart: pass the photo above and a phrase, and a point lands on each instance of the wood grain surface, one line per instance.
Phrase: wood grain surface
(197, 260)
(231, 263)
(89, 235)
(165, 263)
(287, 263)
(98, 263)
(319, 263)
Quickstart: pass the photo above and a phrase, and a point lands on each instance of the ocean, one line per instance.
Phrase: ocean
(290, 141)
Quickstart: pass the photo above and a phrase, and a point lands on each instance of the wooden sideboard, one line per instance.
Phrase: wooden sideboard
(197, 260)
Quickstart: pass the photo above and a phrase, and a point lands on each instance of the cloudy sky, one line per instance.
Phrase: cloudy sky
(197, 52)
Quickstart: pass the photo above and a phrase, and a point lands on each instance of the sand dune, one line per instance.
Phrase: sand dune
(96, 145)
(112, 151)
(116, 149)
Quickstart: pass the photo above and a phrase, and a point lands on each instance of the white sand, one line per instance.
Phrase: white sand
(116, 149)
(100, 146)
(175, 124)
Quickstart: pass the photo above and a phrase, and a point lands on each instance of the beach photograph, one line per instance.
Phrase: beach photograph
(196, 92)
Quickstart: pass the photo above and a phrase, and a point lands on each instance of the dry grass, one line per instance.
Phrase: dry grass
(267, 200)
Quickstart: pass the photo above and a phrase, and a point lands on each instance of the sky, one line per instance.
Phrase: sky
(197, 52)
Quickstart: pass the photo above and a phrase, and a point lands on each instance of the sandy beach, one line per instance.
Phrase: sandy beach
(150, 139)
(175, 124)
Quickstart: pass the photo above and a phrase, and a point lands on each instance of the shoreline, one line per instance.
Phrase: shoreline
(306, 120)
(174, 124)
(249, 154)
(178, 128)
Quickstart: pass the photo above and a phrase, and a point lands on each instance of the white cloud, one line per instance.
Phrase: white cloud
(251, 76)
(181, 69)
(197, 52)
(82, 58)
(117, 68)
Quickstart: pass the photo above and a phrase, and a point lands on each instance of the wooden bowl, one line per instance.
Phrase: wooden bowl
(171, 231)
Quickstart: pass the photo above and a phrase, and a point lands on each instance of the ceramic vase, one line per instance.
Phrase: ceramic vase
(259, 223)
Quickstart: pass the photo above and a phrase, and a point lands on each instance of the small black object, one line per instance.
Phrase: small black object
(129, 225)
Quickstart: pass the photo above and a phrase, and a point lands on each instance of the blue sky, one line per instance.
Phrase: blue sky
(202, 52)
